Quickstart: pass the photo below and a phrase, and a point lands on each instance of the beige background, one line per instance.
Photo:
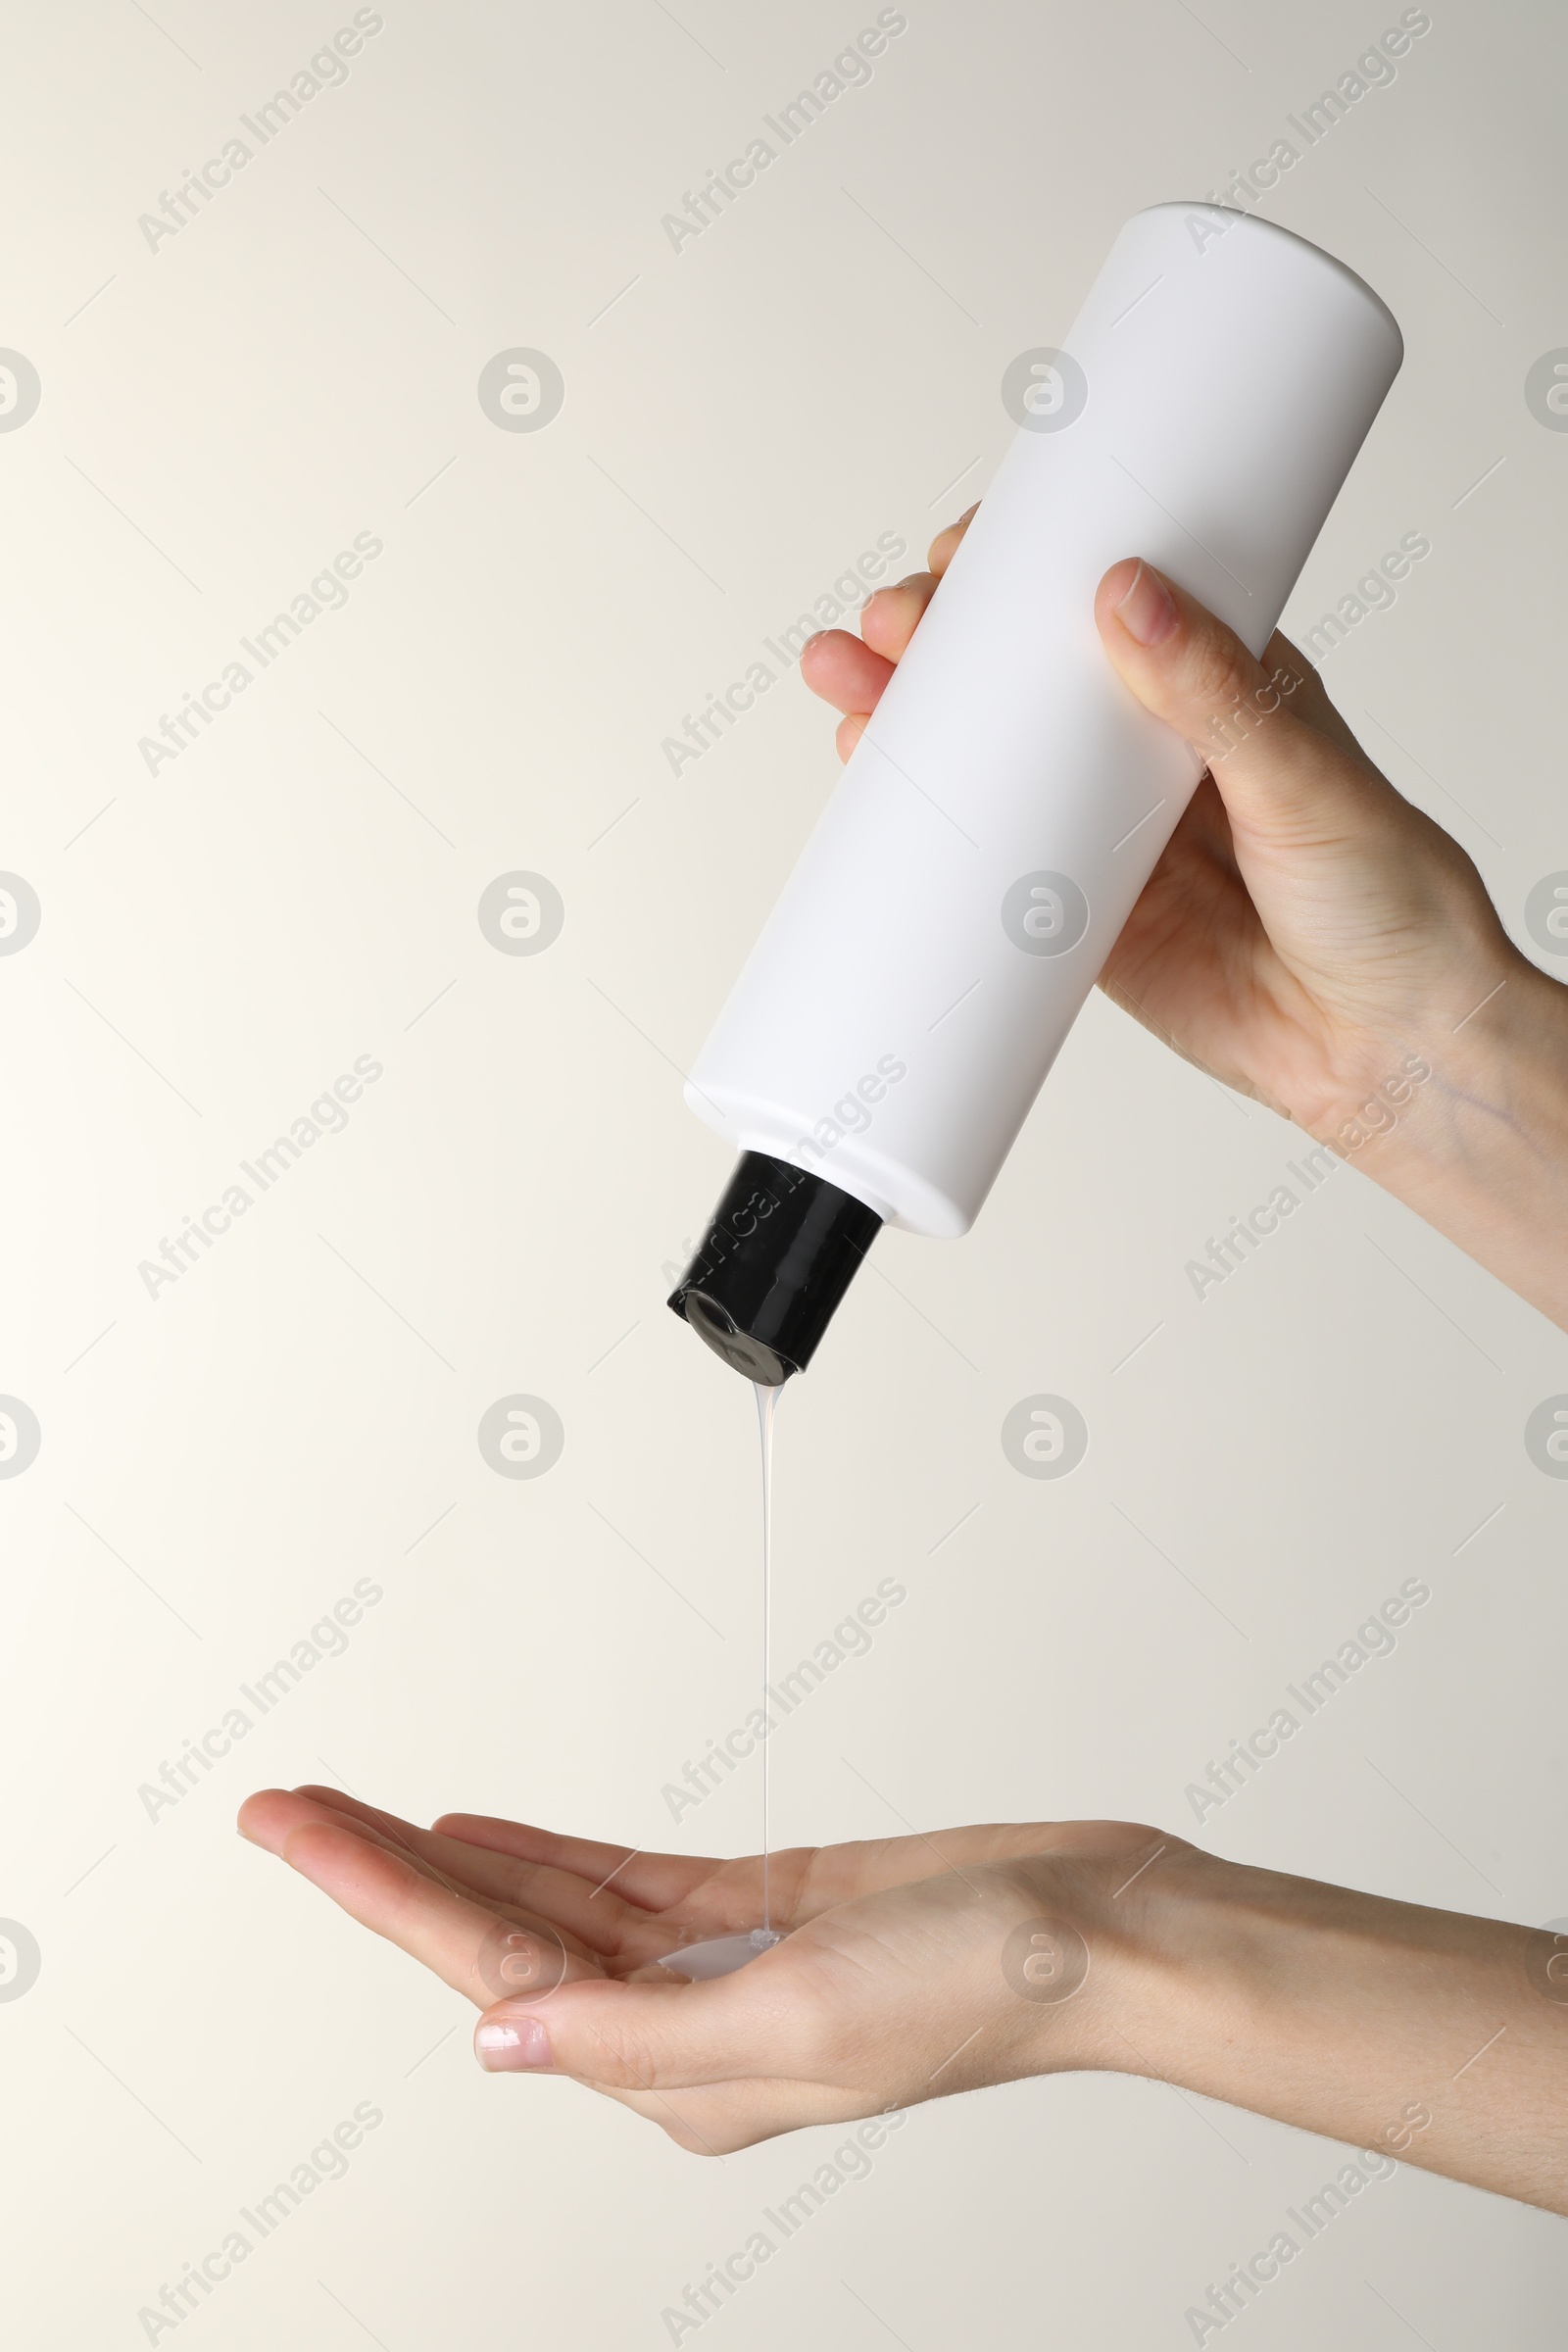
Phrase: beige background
(218, 942)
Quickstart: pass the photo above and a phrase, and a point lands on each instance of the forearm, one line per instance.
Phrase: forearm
(1425, 2036)
(1480, 1148)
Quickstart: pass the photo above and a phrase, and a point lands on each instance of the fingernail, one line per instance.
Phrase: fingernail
(1147, 611)
(505, 2049)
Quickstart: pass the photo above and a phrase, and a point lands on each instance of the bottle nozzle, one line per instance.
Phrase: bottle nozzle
(778, 1256)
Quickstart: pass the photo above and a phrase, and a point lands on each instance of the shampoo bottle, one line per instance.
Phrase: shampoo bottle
(1007, 801)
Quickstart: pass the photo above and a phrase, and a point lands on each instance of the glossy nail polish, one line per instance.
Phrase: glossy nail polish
(508, 2046)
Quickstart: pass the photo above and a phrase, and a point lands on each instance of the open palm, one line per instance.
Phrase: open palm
(561, 1938)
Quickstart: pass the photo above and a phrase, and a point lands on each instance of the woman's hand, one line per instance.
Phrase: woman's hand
(897, 1979)
(1307, 936)
(918, 1966)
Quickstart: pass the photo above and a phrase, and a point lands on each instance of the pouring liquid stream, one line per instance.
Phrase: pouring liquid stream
(720, 1955)
(766, 1408)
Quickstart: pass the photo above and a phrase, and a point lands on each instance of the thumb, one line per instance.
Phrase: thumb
(648, 2036)
(1254, 726)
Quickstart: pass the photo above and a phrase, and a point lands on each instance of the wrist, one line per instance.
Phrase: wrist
(1425, 2036)
(1106, 1955)
(1163, 1968)
(1470, 1129)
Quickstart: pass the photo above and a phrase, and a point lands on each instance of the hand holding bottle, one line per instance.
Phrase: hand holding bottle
(1309, 937)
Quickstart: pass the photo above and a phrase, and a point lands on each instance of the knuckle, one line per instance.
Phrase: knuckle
(625, 2058)
(1216, 669)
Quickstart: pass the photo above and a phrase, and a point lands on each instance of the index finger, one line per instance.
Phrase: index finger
(595, 1916)
(469, 1944)
(653, 1880)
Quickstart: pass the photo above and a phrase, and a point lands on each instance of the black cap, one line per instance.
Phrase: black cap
(779, 1254)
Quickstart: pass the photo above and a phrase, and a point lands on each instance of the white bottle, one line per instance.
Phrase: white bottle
(1009, 798)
